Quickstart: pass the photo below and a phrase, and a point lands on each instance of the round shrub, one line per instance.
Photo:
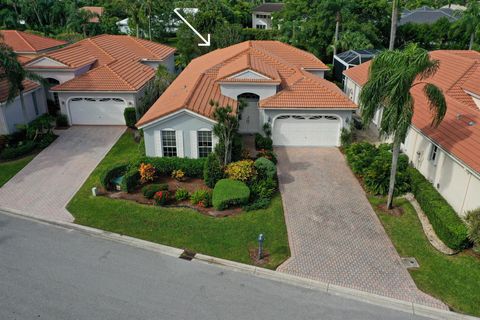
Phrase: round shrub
(212, 171)
(265, 168)
(149, 190)
(160, 198)
(228, 193)
(268, 154)
(112, 173)
(377, 175)
(243, 170)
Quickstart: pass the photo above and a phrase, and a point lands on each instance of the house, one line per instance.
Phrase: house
(448, 156)
(351, 58)
(280, 84)
(262, 15)
(123, 27)
(96, 11)
(426, 15)
(95, 79)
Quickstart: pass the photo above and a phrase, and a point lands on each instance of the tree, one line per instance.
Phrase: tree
(471, 21)
(163, 79)
(13, 72)
(393, 27)
(225, 129)
(392, 76)
(354, 40)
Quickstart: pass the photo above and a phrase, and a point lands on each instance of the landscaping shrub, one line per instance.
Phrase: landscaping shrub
(473, 224)
(149, 191)
(263, 188)
(181, 194)
(268, 154)
(447, 224)
(202, 198)
(17, 151)
(161, 198)
(258, 204)
(346, 137)
(130, 117)
(46, 140)
(360, 155)
(178, 175)
(131, 178)
(377, 175)
(212, 171)
(266, 169)
(237, 147)
(147, 172)
(262, 142)
(243, 170)
(112, 173)
(41, 125)
(228, 193)
(61, 121)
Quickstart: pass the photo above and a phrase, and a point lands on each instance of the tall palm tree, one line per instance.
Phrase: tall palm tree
(471, 21)
(392, 75)
(13, 71)
(393, 26)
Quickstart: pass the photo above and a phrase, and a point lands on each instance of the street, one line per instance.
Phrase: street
(49, 272)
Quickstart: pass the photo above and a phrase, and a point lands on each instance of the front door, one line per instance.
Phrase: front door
(250, 118)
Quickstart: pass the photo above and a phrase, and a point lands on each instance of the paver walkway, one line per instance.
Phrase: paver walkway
(45, 186)
(334, 234)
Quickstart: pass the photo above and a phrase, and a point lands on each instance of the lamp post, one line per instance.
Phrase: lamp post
(261, 239)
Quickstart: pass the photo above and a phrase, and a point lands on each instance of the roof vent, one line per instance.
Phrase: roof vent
(463, 118)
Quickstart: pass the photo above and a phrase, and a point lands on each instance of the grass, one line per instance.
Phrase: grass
(453, 279)
(228, 238)
(10, 168)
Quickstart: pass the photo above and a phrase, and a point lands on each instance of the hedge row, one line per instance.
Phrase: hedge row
(18, 151)
(112, 173)
(447, 224)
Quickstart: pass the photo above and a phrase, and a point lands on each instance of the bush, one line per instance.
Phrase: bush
(268, 154)
(266, 169)
(377, 175)
(360, 156)
(202, 198)
(178, 175)
(61, 121)
(161, 197)
(243, 170)
(447, 224)
(258, 204)
(18, 151)
(262, 142)
(149, 191)
(473, 224)
(112, 173)
(228, 193)
(212, 171)
(346, 137)
(147, 172)
(263, 188)
(131, 178)
(46, 140)
(130, 117)
(181, 194)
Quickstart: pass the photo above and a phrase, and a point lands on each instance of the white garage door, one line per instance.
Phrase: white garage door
(97, 111)
(306, 130)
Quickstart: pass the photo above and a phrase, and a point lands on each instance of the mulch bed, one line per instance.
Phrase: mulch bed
(395, 211)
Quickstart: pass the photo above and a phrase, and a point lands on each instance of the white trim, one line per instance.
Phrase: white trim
(179, 143)
(194, 144)
(246, 71)
(157, 139)
(173, 115)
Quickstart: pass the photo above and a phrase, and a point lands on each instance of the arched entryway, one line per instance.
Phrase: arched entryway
(250, 115)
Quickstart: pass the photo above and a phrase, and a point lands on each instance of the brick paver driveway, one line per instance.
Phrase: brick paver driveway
(44, 187)
(335, 236)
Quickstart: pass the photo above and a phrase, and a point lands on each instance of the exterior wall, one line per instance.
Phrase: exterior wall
(234, 90)
(318, 73)
(352, 90)
(12, 115)
(455, 182)
(169, 63)
(269, 115)
(183, 122)
(261, 21)
(60, 75)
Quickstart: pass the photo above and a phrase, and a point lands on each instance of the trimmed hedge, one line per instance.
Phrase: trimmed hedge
(266, 169)
(112, 173)
(18, 151)
(228, 193)
(447, 224)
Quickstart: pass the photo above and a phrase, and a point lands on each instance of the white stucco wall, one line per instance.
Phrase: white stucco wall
(60, 75)
(233, 90)
(318, 73)
(453, 180)
(262, 21)
(352, 90)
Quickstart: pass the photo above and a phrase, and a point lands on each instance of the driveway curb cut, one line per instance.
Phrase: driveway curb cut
(389, 303)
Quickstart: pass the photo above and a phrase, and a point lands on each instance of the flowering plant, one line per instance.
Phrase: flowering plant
(241, 170)
(147, 172)
(178, 175)
(160, 198)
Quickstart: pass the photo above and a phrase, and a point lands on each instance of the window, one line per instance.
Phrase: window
(263, 16)
(169, 143)
(205, 143)
(261, 26)
(434, 154)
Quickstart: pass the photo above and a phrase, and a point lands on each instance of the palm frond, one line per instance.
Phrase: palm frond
(437, 103)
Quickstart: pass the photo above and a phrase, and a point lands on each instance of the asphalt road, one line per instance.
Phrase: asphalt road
(48, 272)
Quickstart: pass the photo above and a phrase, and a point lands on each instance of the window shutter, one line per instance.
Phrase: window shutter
(179, 138)
(194, 144)
(157, 137)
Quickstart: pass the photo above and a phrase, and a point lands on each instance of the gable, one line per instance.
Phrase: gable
(249, 74)
(46, 62)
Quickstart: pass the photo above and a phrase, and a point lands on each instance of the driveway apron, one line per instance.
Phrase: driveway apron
(45, 186)
(334, 234)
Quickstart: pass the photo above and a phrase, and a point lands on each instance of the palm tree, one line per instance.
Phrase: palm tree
(392, 75)
(393, 26)
(471, 21)
(13, 71)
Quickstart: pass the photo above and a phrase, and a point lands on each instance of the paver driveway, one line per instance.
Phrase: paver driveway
(44, 187)
(335, 236)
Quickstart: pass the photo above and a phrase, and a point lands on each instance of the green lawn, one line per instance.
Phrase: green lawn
(228, 238)
(453, 279)
(10, 168)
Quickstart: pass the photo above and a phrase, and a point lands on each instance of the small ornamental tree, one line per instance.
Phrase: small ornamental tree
(225, 129)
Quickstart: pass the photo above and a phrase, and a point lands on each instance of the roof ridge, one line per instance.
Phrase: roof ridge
(141, 44)
(25, 40)
(101, 49)
(118, 76)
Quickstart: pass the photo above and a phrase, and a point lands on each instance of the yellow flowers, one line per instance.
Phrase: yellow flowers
(178, 175)
(241, 170)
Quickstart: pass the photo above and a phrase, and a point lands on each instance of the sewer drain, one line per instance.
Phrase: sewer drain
(187, 255)
(410, 262)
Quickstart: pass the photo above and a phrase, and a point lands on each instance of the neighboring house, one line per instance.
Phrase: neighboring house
(97, 11)
(426, 15)
(123, 26)
(448, 156)
(95, 79)
(262, 15)
(281, 85)
(351, 58)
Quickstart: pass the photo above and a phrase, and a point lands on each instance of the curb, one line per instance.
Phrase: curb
(390, 303)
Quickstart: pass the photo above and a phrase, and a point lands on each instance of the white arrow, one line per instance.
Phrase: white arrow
(206, 42)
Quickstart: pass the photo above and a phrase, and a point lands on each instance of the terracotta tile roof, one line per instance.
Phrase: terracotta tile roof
(458, 71)
(116, 63)
(23, 42)
(28, 85)
(359, 74)
(95, 10)
(199, 83)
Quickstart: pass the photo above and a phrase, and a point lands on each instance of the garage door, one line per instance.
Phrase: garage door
(97, 111)
(306, 130)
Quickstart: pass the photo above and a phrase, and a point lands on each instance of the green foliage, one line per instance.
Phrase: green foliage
(131, 179)
(182, 194)
(149, 191)
(226, 130)
(161, 197)
(130, 117)
(268, 154)
(346, 137)
(45, 140)
(212, 171)
(243, 170)
(18, 151)
(229, 193)
(112, 173)
(262, 142)
(61, 121)
(258, 204)
(202, 198)
(260, 34)
(266, 169)
(359, 156)
(473, 224)
(377, 175)
(263, 188)
(445, 221)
